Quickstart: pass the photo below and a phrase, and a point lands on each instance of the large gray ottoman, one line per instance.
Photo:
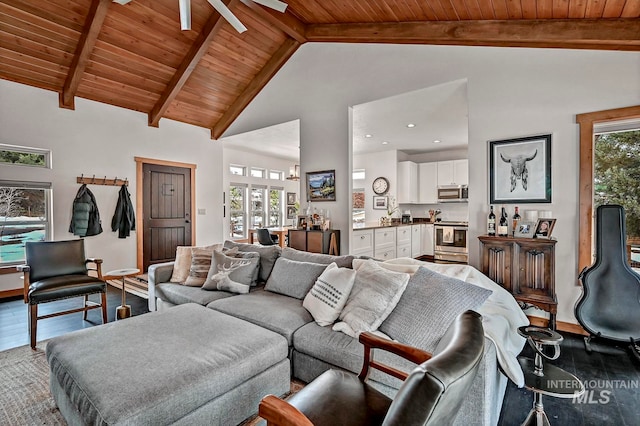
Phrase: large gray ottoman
(188, 365)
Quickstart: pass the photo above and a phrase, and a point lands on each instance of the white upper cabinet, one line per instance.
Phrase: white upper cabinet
(428, 186)
(453, 172)
(407, 182)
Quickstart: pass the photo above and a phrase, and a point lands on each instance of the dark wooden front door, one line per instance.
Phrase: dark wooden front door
(167, 212)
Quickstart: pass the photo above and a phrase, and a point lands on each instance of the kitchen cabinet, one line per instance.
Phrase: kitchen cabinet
(384, 240)
(416, 241)
(362, 243)
(428, 244)
(453, 172)
(403, 241)
(428, 183)
(407, 182)
(525, 267)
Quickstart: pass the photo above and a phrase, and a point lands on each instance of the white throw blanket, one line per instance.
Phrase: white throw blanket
(501, 315)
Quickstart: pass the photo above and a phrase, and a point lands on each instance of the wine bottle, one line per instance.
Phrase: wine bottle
(491, 224)
(515, 220)
(503, 226)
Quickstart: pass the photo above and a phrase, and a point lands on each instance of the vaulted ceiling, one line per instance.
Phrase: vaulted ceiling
(135, 56)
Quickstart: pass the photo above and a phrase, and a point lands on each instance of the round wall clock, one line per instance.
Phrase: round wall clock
(380, 185)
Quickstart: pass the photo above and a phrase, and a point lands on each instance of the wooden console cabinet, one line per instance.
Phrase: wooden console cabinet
(525, 267)
(326, 242)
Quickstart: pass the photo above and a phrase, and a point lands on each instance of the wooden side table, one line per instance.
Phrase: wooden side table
(123, 311)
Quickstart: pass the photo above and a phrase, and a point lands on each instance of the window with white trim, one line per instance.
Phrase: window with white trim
(24, 156)
(276, 206)
(238, 210)
(257, 172)
(257, 207)
(238, 170)
(276, 175)
(25, 215)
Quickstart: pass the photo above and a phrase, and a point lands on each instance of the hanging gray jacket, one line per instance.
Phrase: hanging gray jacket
(85, 217)
(124, 218)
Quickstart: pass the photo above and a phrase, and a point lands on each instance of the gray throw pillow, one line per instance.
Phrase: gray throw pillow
(292, 278)
(230, 273)
(304, 256)
(268, 256)
(428, 306)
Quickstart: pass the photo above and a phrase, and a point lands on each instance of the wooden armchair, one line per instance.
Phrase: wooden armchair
(58, 270)
(430, 395)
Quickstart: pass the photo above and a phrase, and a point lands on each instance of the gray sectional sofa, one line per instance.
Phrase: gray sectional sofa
(313, 349)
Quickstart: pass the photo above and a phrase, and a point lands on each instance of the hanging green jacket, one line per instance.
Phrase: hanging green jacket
(85, 217)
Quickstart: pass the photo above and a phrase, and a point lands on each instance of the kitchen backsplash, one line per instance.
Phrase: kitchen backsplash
(450, 211)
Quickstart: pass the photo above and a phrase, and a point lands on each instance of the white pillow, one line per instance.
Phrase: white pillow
(329, 294)
(409, 268)
(376, 291)
(182, 263)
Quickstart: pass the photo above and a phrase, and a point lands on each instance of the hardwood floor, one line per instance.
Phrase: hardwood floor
(612, 378)
(14, 330)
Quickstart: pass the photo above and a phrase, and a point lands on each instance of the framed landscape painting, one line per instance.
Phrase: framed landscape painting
(321, 186)
(520, 170)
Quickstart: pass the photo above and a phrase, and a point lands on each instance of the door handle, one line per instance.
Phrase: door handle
(187, 221)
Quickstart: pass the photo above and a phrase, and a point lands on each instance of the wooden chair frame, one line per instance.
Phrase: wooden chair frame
(279, 412)
(87, 305)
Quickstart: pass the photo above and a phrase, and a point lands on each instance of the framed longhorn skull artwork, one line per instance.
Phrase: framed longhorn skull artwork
(520, 170)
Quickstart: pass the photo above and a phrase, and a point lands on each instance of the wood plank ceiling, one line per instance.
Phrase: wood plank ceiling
(135, 56)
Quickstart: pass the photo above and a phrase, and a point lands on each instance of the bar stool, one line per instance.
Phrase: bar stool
(545, 380)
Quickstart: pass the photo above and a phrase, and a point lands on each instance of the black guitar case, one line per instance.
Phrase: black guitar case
(610, 303)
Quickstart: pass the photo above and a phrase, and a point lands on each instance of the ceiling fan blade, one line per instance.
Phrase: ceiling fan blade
(185, 15)
(121, 1)
(224, 11)
(273, 4)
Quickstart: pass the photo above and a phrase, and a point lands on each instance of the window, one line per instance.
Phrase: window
(256, 172)
(591, 126)
(276, 204)
(358, 174)
(257, 211)
(24, 156)
(238, 210)
(275, 174)
(357, 214)
(238, 170)
(24, 216)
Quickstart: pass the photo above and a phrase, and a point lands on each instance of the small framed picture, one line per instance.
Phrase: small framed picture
(302, 222)
(524, 230)
(291, 199)
(291, 212)
(380, 203)
(544, 227)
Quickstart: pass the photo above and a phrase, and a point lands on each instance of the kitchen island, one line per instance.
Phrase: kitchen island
(391, 241)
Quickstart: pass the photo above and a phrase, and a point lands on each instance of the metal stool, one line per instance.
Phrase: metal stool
(552, 381)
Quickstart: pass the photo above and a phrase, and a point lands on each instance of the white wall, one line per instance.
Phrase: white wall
(377, 164)
(103, 140)
(252, 159)
(512, 92)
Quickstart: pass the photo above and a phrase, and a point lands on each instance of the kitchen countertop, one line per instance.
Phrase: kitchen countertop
(376, 225)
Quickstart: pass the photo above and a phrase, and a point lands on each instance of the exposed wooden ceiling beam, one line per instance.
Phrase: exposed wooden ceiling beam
(93, 24)
(285, 22)
(188, 65)
(604, 34)
(270, 69)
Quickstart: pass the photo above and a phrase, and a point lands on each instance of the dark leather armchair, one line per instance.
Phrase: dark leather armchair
(430, 395)
(58, 270)
(265, 238)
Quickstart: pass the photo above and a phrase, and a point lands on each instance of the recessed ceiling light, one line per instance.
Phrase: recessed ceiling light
(436, 141)
(411, 125)
(368, 136)
(385, 143)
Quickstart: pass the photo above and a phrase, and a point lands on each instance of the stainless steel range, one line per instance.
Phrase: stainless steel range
(451, 242)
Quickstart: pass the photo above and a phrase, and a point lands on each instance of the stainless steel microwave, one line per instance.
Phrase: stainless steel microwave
(453, 194)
